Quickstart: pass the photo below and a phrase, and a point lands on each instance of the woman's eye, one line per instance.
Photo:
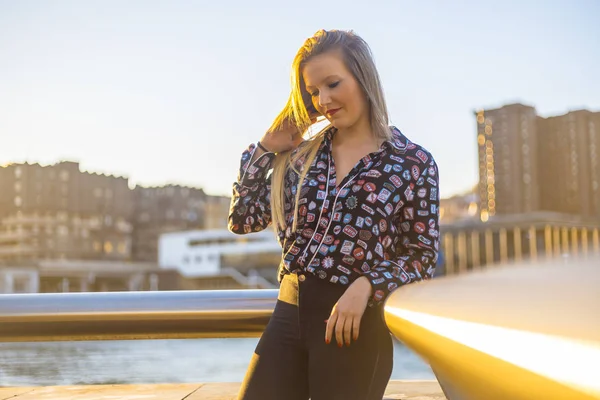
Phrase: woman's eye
(331, 86)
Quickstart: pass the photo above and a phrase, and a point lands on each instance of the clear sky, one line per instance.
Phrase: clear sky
(173, 91)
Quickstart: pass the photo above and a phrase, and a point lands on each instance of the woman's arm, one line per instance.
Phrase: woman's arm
(418, 226)
(250, 209)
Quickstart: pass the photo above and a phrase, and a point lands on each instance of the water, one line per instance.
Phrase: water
(148, 361)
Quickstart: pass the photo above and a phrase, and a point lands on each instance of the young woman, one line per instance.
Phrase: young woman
(355, 208)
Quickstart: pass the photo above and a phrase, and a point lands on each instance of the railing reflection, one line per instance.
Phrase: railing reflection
(526, 331)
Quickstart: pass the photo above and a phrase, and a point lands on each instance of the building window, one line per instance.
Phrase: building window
(94, 222)
(62, 230)
(17, 186)
(20, 286)
(18, 201)
(198, 259)
(18, 172)
(122, 247)
(108, 247)
(64, 175)
(97, 246)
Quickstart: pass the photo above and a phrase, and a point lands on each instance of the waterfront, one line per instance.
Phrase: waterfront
(148, 361)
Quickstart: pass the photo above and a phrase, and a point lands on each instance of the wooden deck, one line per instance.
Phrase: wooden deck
(416, 390)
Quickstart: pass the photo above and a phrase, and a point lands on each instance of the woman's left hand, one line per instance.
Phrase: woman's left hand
(347, 313)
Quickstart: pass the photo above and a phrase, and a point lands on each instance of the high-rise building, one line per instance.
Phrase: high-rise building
(217, 211)
(508, 176)
(569, 162)
(59, 212)
(165, 209)
(530, 163)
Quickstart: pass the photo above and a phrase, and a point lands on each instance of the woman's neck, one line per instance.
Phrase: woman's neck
(359, 134)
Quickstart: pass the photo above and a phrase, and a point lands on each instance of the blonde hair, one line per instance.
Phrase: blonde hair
(358, 58)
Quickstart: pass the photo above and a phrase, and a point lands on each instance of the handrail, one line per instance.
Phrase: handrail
(135, 315)
(526, 331)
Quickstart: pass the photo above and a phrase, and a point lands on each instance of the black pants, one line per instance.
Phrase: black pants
(293, 362)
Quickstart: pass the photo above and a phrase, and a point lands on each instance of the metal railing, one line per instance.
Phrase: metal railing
(517, 332)
(135, 315)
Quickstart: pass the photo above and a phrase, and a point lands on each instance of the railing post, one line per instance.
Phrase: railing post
(489, 247)
(533, 243)
(475, 250)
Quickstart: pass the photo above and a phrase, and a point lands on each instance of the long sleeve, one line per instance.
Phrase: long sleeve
(250, 209)
(417, 222)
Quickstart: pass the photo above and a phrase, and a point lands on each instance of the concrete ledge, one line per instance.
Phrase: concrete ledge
(416, 390)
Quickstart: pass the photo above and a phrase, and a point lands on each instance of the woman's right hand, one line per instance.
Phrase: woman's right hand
(288, 137)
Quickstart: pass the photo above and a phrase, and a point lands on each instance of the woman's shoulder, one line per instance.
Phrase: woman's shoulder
(408, 148)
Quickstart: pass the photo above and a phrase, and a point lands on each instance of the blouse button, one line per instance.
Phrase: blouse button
(301, 278)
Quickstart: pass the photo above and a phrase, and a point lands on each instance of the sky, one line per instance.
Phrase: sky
(174, 91)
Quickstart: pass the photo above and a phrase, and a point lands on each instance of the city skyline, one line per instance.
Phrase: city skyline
(473, 189)
(161, 93)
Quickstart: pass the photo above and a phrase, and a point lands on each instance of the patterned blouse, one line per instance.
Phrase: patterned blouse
(380, 221)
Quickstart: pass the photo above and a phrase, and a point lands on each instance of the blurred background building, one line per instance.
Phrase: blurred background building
(530, 163)
(59, 212)
(159, 210)
(62, 229)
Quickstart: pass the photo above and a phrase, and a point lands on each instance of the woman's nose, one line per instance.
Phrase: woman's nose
(324, 99)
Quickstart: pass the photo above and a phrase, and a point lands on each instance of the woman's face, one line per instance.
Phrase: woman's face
(334, 91)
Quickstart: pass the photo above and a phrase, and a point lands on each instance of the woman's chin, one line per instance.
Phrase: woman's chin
(337, 123)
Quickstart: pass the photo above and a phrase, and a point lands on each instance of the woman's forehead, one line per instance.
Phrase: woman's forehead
(322, 67)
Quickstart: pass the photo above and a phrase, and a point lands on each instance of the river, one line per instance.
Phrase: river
(148, 361)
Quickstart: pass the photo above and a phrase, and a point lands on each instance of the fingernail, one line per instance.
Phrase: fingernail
(340, 344)
(327, 341)
(347, 344)
(326, 320)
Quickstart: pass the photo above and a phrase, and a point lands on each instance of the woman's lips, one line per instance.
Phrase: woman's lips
(332, 112)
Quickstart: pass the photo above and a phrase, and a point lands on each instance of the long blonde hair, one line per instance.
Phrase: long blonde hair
(358, 59)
